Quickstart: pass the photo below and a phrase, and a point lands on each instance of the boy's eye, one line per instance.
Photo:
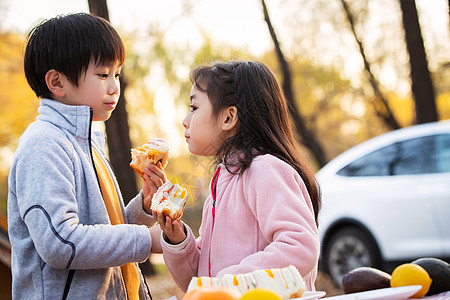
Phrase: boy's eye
(118, 76)
(192, 108)
(103, 75)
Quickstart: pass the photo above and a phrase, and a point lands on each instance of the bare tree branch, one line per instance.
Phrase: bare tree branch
(380, 103)
(307, 135)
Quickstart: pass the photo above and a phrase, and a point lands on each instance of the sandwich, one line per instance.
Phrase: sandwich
(170, 200)
(156, 150)
(287, 282)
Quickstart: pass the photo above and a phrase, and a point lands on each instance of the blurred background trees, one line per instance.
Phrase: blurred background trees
(350, 79)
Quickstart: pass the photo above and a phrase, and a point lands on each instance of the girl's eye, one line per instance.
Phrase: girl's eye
(118, 76)
(103, 75)
(192, 108)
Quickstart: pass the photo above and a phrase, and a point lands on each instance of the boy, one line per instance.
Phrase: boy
(71, 236)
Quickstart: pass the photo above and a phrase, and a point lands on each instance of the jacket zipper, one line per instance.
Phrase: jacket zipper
(72, 272)
(213, 211)
(90, 147)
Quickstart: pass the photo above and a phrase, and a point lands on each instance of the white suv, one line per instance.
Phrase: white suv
(387, 201)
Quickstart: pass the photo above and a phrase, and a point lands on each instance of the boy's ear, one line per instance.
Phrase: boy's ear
(229, 118)
(55, 82)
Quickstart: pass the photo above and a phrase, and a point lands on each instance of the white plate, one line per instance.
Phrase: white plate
(396, 293)
(311, 295)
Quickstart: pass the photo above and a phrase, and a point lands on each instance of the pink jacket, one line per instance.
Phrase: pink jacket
(263, 219)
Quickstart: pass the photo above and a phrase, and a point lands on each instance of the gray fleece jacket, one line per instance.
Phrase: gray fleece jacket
(63, 244)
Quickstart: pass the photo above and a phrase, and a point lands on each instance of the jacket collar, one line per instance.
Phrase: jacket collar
(76, 119)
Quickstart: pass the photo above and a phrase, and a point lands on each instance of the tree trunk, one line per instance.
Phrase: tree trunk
(421, 84)
(118, 134)
(380, 103)
(119, 145)
(117, 128)
(307, 135)
(99, 8)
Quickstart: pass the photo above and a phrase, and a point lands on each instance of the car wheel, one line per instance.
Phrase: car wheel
(347, 249)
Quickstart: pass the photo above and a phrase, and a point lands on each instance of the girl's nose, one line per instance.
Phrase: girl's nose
(186, 121)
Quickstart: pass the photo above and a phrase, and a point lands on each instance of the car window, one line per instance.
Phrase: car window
(415, 156)
(377, 163)
(423, 155)
(443, 153)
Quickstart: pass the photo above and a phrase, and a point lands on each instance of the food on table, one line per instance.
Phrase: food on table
(209, 292)
(152, 152)
(365, 279)
(411, 274)
(287, 282)
(439, 272)
(260, 294)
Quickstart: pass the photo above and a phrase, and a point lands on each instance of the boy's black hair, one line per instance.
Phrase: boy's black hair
(68, 43)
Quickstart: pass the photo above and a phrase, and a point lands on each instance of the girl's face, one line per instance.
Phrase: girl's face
(203, 132)
(99, 88)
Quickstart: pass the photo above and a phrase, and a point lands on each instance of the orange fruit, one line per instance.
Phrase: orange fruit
(212, 292)
(411, 274)
(261, 294)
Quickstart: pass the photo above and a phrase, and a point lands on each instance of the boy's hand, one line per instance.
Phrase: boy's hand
(154, 177)
(174, 230)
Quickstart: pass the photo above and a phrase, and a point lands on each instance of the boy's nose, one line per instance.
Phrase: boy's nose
(114, 89)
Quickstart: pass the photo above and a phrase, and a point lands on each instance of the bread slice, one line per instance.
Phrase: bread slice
(242, 283)
(263, 279)
(237, 282)
(251, 281)
(282, 287)
(294, 281)
(204, 281)
(151, 153)
(199, 282)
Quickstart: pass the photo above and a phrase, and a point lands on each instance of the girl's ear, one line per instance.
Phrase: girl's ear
(229, 118)
(55, 82)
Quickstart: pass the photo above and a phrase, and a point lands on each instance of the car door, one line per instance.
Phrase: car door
(441, 189)
(398, 179)
(422, 228)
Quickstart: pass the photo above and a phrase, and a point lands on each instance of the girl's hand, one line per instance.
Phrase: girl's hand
(154, 177)
(174, 230)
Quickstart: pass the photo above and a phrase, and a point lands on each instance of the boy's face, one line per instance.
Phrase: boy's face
(99, 88)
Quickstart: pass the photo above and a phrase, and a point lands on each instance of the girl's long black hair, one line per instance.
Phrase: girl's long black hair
(263, 119)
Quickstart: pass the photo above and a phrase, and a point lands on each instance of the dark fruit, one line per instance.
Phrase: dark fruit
(365, 279)
(439, 272)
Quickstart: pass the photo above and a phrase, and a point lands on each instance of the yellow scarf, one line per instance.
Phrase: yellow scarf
(129, 271)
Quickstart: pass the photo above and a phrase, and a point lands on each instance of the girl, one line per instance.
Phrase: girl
(263, 207)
